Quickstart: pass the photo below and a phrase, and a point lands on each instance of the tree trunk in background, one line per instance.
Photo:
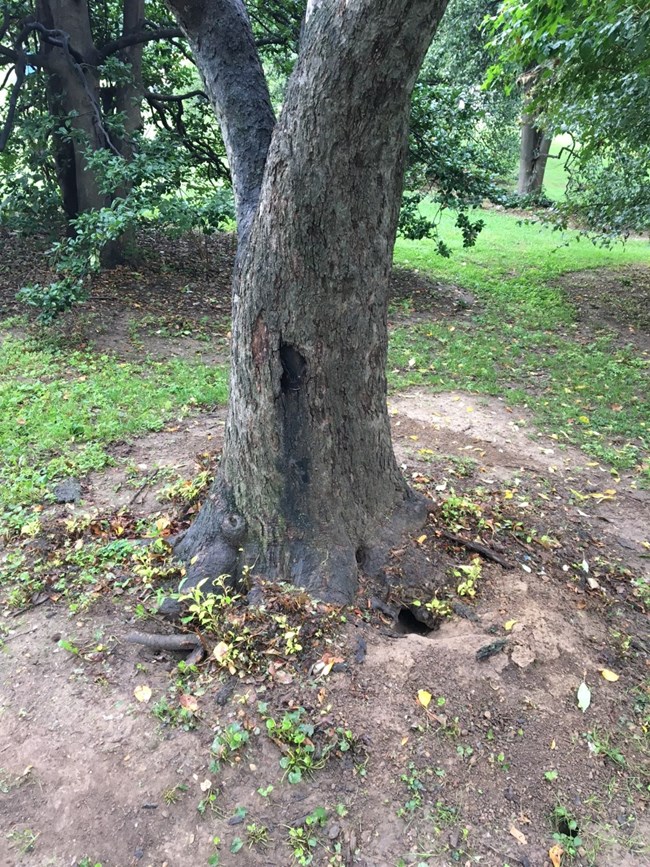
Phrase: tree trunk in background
(533, 154)
(74, 88)
(308, 461)
(128, 99)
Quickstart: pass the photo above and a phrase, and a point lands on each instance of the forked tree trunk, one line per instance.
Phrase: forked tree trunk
(308, 461)
(533, 156)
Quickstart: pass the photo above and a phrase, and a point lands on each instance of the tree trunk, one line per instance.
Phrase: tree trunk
(73, 91)
(128, 98)
(533, 155)
(308, 464)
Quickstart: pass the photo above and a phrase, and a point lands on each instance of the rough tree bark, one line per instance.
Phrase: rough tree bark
(128, 98)
(73, 91)
(533, 156)
(308, 467)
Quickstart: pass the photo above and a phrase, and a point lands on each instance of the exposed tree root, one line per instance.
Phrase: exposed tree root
(158, 641)
(484, 551)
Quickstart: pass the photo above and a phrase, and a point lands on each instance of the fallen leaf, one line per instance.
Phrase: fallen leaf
(329, 662)
(519, 837)
(421, 539)
(508, 625)
(142, 692)
(206, 785)
(424, 697)
(584, 696)
(189, 702)
(404, 740)
(611, 676)
(555, 853)
(221, 651)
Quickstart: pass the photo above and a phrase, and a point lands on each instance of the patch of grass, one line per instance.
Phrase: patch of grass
(295, 737)
(59, 412)
(522, 344)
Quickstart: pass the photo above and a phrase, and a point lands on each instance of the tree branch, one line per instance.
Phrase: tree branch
(5, 132)
(221, 38)
(137, 38)
(179, 97)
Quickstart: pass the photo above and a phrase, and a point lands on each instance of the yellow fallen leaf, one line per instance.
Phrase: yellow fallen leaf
(424, 697)
(221, 651)
(414, 438)
(519, 837)
(404, 741)
(611, 676)
(555, 853)
(142, 692)
(583, 419)
(508, 495)
(553, 744)
(508, 625)
(421, 539)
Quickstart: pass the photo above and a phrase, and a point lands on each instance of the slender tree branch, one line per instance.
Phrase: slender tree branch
(13, 56)
(164, 97)
(13, 102)
(137, 38)
(221, 37)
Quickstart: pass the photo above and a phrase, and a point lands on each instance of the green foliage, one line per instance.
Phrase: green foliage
(586, 72)
(303, 838)
(227, 743)
(299, 758)
(155, 192)
(462, 140)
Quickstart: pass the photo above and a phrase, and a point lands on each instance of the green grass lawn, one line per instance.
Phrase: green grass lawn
(522, 344)
(58, 413)
(555, 174)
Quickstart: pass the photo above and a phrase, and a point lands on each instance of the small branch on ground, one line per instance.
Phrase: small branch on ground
(158, 641)
(484, 551)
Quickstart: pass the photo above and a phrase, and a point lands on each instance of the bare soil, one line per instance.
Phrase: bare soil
(88, 771)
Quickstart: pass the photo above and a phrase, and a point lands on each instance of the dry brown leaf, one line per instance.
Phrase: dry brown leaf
(189, 702)
(555, 853)
(519, 837)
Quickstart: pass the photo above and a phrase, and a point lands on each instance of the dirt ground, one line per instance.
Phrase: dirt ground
(486, 771)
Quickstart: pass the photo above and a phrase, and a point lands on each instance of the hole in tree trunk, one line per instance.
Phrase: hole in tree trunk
(294, 368)
(408, 624)
(361, 555)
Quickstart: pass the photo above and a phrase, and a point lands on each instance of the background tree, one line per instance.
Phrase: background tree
(588, 74)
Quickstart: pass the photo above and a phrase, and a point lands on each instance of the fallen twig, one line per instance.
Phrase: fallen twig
(484, 551)
(158, 641)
